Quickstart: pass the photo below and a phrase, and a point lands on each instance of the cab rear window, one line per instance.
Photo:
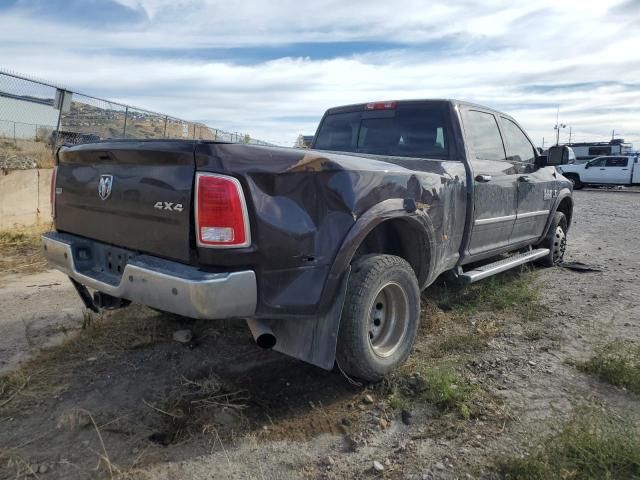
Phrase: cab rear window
(406, 131)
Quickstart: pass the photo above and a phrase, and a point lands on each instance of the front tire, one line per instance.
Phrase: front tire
(555, 241)
(380, 318)
(575, 180)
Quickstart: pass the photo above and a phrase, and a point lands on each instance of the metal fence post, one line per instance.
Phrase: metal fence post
(14, 132)
(124, 130)
(166, 118)
(55, 142)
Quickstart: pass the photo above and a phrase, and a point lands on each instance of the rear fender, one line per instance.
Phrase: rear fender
(376, 215)
(314, 339)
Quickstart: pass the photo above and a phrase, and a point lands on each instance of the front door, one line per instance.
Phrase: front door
(495, 183)
(536, 186)
(594, 171)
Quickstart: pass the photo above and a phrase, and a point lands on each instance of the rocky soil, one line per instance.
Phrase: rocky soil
(118, 396)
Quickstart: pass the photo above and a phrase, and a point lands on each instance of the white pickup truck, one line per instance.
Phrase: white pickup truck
(608, 170)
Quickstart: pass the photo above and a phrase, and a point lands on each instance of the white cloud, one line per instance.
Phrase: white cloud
(490, 53)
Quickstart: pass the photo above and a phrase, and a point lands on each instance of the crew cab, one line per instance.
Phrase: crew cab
(605, 170)
(323, 252)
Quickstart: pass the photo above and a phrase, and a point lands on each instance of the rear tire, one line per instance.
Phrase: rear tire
(575, 179)
(555, 241)
(380, 318)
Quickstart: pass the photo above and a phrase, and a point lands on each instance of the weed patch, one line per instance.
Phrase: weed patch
(593, 444)
(514, 292)
(464, 320)
(617, 363)
(440, 386)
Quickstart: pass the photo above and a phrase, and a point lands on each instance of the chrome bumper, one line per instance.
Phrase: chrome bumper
(155, 282)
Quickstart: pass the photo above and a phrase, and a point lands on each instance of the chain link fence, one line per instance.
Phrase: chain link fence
(36, 117)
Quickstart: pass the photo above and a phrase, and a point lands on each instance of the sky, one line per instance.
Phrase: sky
(270, 68)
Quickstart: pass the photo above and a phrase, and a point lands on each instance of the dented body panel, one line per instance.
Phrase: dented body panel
(310, 210)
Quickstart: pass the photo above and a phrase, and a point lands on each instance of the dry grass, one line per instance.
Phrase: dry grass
(20, 249)
(464, 320)
(49, 373)
(593, 445)
(27, 151)
(21, 468)
(201, 406)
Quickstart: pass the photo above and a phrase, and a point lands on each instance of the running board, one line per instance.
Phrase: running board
(500, 266)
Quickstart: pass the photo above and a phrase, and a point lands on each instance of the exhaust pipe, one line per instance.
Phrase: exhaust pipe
(262, 333)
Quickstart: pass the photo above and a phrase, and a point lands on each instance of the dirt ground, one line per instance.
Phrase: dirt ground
(114, 396)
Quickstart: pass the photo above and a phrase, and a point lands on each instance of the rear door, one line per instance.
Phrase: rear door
(618, 170)
(537, 187)
(495, 182)
(635, 171)
(135, 195)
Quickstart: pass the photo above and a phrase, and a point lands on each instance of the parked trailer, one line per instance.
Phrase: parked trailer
(589, 150)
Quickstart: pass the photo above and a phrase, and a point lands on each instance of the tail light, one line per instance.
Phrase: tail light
(221, 212)
(381, 105)
(52, 193)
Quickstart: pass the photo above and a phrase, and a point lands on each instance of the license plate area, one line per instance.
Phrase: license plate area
(101, 261)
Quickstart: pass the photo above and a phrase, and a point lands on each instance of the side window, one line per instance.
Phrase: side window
(598, 162)
(519, 148)
(483, 135)
(599, 150)
(617, 162)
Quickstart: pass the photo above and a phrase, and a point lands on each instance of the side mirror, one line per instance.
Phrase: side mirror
(587, 165)
(559, 155)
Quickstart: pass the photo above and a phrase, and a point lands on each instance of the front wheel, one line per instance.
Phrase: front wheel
(380, 319)
(555, 241)
(575, 180)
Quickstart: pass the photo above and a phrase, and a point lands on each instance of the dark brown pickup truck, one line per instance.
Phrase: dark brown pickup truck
(324, 251)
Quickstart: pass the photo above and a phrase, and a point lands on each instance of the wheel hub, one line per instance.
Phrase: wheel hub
(388, 319)
(559, 245)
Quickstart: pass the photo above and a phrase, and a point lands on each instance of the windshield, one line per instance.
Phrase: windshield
(407, 131)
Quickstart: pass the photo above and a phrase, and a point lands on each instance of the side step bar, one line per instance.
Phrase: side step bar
(500, 266)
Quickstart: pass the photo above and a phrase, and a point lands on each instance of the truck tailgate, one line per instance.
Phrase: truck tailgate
(135, 195)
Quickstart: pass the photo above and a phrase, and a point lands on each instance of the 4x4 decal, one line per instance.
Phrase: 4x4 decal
(173, 207)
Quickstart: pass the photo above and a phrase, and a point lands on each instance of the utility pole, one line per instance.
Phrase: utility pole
(543, 143)
(613, 134)
(558, 126)
(570, 134)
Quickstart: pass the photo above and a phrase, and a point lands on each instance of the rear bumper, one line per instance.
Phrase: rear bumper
(152, 281)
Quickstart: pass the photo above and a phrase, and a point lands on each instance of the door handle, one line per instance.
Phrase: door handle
(625, 169)
(483, 178)
(524, 178)
(602, 169)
